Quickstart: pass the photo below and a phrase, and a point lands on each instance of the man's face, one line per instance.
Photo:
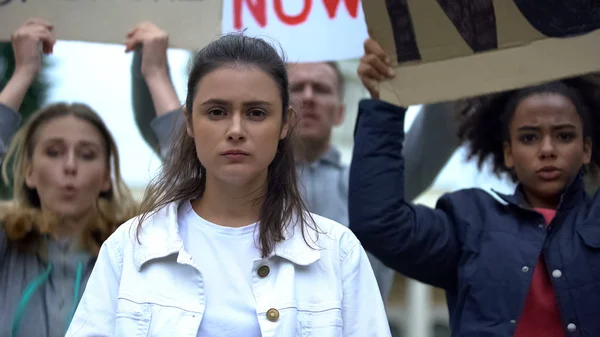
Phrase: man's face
(316, 96)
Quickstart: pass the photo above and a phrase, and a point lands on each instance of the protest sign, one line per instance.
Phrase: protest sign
(190, 23)
(449, 49)
(308, 30)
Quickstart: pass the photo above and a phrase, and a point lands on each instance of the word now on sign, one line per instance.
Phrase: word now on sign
(258, 10)
(307, 30)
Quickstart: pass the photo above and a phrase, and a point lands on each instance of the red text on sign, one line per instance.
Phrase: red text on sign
(258, 10)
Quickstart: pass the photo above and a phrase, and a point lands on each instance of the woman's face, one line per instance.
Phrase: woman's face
(546, 147)
(237, 123)
(69, 166)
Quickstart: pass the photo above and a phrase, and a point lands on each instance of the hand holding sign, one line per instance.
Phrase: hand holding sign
(375, 66)
(154, 42)
(154, 64)
(28, 40)
(445, 50)
(33, 35)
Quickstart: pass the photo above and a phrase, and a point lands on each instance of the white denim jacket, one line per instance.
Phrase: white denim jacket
(155, 289)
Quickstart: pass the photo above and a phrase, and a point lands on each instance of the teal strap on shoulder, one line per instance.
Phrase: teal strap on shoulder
(31, 288)
(76, 292)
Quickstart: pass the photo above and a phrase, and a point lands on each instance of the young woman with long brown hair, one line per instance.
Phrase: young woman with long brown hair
(225, 246)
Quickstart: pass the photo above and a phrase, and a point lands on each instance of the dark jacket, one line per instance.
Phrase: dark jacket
(480, 248)
(9, 123)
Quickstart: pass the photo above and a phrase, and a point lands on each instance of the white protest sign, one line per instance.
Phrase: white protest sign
(308, 30)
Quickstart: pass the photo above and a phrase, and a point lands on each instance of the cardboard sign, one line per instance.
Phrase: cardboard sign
(190, 23)
(307, 30)
(449, 49)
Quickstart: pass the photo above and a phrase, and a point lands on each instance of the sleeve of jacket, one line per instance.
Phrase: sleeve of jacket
(165, 128)
(384, 276)
(417, 241)
(156, 131)
(363, 311)
(96, 313)
(9, 123)
(143, 108)
(432, 133)
(3, 245)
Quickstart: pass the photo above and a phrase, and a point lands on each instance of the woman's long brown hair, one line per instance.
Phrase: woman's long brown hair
(183, 176)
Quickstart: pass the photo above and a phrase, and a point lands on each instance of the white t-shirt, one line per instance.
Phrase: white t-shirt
(225, 256)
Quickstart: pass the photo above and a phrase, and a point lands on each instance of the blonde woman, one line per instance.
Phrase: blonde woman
(68, 198)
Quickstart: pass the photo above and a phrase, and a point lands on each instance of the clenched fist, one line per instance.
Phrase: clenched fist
(375, 66)
(154, 42)
(34, 37)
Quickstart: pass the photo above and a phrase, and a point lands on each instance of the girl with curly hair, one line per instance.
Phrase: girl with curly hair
(526, 264)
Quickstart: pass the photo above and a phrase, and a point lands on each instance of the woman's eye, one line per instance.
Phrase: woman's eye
(566, 136)
(527, 138)
(88, 155)
(216, 113)
(52, 153)
(257, 114)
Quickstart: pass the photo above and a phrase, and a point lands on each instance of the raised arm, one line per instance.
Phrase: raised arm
(34, 35)
(141, 99)
(432, 133)
(9, 123)
(154, 97)
(417, 241)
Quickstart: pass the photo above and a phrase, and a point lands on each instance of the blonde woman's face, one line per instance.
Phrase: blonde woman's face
(68, 168)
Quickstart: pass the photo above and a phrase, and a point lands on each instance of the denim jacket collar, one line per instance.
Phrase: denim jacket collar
(159, 237)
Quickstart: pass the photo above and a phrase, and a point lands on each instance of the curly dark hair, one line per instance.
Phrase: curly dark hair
(484, 120)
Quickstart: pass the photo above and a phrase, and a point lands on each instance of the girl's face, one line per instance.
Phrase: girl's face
(237, 124)
(546, 147)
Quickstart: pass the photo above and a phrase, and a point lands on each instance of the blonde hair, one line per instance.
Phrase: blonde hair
(22, 218)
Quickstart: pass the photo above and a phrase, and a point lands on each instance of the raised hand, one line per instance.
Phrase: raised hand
(154, 42)
(32, 39)
(29, 41)
(154, 66)
(375, 66)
